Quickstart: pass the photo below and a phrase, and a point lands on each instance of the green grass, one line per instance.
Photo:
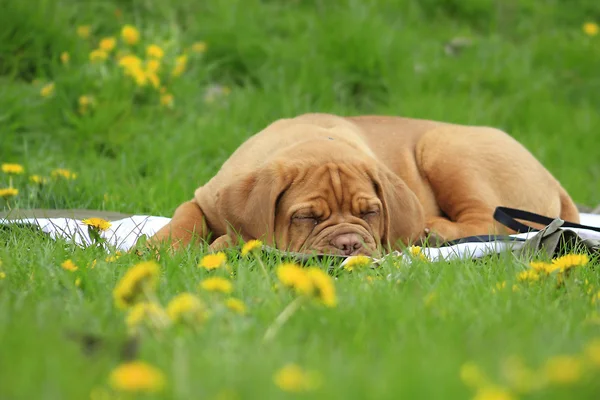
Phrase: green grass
(529, 69)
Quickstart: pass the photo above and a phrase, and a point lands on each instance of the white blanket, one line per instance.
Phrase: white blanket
(124, 233)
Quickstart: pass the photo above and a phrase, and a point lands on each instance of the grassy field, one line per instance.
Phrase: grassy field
(142, 135)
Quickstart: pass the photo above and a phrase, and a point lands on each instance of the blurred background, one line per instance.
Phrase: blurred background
(140, 101)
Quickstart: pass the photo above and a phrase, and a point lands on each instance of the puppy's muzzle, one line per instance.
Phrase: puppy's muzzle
(345, 240)
(347, 243)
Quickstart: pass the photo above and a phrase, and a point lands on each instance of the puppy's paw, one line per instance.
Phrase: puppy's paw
(431, 238)
(221, 243)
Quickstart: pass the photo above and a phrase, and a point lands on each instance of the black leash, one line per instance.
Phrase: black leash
(508, 217)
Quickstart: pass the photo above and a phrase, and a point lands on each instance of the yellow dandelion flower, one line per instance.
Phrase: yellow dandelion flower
(133, 67)
(137, 376)
(139, 277)
(417, 252)
(63, 173)
(65, 57)
(570, 260)
(591, 28)
(2, 274)
(47, 90)
(8, 192)
(97, 223)
(167, 100)
(235, 305)
(357, 262)
(180, 65)
(12, 169)
(295, 277)
(499, 287)
(40, 180)
(213, 261)
(186, 307)
(130, 34)
(472, 376)
(292, 378)
(154, 51)
(541, 266)
(199, 47)
(130, 61)
(113, 257)
(143, 312)
(85, 102)
(153, 79)
(78, 282)
(250, 246)
(152, 66)
(563, 369)
(592, 351)
(107, 44)
(323, 285)
(98, 55)
(217, 284)
(69, 265)
(83, 31)
(493, 392)
(139, 76)
(529, 275)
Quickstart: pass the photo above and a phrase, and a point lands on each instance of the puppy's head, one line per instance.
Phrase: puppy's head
(344, 208)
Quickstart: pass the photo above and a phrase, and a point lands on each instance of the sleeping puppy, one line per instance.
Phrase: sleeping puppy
(363, 185)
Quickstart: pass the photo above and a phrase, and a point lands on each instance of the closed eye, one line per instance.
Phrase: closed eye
(306, 218)
(370, 213)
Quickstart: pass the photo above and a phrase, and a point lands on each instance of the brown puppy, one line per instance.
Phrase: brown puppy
(328, 184)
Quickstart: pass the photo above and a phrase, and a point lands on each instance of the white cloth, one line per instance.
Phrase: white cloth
(481, 249)
(124, 233)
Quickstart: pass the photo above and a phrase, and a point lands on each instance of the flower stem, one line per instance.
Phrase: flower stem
(282, 318)
(157, 322)
(264, 269)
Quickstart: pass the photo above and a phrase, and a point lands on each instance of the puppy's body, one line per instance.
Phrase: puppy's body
(322, 183)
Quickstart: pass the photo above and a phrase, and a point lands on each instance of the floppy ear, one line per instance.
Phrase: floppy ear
(248, 205)
(403, 214)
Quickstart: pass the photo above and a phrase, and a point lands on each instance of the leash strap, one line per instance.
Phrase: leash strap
(508, 217)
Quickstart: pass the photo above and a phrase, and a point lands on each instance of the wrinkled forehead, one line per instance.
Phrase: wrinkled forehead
(337, 182)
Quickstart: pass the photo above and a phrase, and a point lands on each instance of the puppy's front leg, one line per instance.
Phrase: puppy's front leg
(221, 243)
(439, 229)
(187, 224)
